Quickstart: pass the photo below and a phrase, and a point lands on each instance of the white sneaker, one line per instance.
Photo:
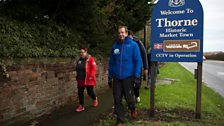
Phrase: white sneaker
(138, 99)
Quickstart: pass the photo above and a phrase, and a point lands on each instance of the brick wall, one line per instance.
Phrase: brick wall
(31, 91)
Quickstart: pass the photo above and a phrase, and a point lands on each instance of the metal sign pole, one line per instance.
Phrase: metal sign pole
(152, 90)
(199, 88)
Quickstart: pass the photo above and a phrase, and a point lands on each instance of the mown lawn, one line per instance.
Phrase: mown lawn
(175, 103)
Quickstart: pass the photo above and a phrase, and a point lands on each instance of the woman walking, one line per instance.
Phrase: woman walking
(86, 70)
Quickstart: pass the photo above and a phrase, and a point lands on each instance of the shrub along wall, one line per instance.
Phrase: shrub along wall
(31, 91)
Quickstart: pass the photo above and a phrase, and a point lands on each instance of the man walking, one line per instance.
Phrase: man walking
(124, 67)
(144, 61)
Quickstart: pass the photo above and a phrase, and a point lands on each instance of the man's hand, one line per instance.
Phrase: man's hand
(145, 72)
(110, 83)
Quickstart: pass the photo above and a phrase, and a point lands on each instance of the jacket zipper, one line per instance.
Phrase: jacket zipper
(121, 61)
(86, 70)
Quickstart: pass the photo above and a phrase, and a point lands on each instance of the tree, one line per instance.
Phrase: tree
(91, 22)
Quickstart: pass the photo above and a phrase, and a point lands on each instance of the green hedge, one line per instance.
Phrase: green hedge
(22, 39)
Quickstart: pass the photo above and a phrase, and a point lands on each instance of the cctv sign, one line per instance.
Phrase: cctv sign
(177, 31)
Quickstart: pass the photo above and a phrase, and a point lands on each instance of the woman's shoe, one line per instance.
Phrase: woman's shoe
(95, 102)
(80, 108)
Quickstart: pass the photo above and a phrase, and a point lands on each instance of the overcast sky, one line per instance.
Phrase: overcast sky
(213, 25)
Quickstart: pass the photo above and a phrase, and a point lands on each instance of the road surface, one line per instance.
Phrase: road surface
(212, 73)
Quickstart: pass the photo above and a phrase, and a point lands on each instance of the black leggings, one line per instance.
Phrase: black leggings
(90, 92)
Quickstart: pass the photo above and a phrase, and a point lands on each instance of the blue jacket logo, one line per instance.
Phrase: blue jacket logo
(116, 51)
(176, 3)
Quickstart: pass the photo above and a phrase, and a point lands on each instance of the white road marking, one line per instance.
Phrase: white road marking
(220, 73)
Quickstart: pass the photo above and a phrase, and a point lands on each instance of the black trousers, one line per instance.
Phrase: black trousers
(90, 92)
(136, 91)
(137, 88)
(123, 88)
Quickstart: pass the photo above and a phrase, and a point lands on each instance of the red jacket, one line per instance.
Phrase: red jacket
(90, 68)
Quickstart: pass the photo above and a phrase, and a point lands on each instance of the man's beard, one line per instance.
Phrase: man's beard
(121, 40)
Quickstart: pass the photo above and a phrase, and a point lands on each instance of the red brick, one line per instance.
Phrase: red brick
(39, 104)
(34, 76)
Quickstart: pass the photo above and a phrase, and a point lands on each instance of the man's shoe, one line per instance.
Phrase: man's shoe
(134, 114)
(138, 99)
(95, 102)
(80, 108)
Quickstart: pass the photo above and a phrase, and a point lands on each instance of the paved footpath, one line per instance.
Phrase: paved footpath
(68, 116)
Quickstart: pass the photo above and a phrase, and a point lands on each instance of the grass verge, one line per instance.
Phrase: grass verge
(175, 103)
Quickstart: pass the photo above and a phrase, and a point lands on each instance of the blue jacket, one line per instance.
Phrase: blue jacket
(125, 60)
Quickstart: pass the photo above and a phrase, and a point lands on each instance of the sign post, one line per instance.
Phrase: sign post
(177, 36)
(152, 90)
(198, 93)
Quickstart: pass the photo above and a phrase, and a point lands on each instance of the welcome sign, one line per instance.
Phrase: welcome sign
(177, 31)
